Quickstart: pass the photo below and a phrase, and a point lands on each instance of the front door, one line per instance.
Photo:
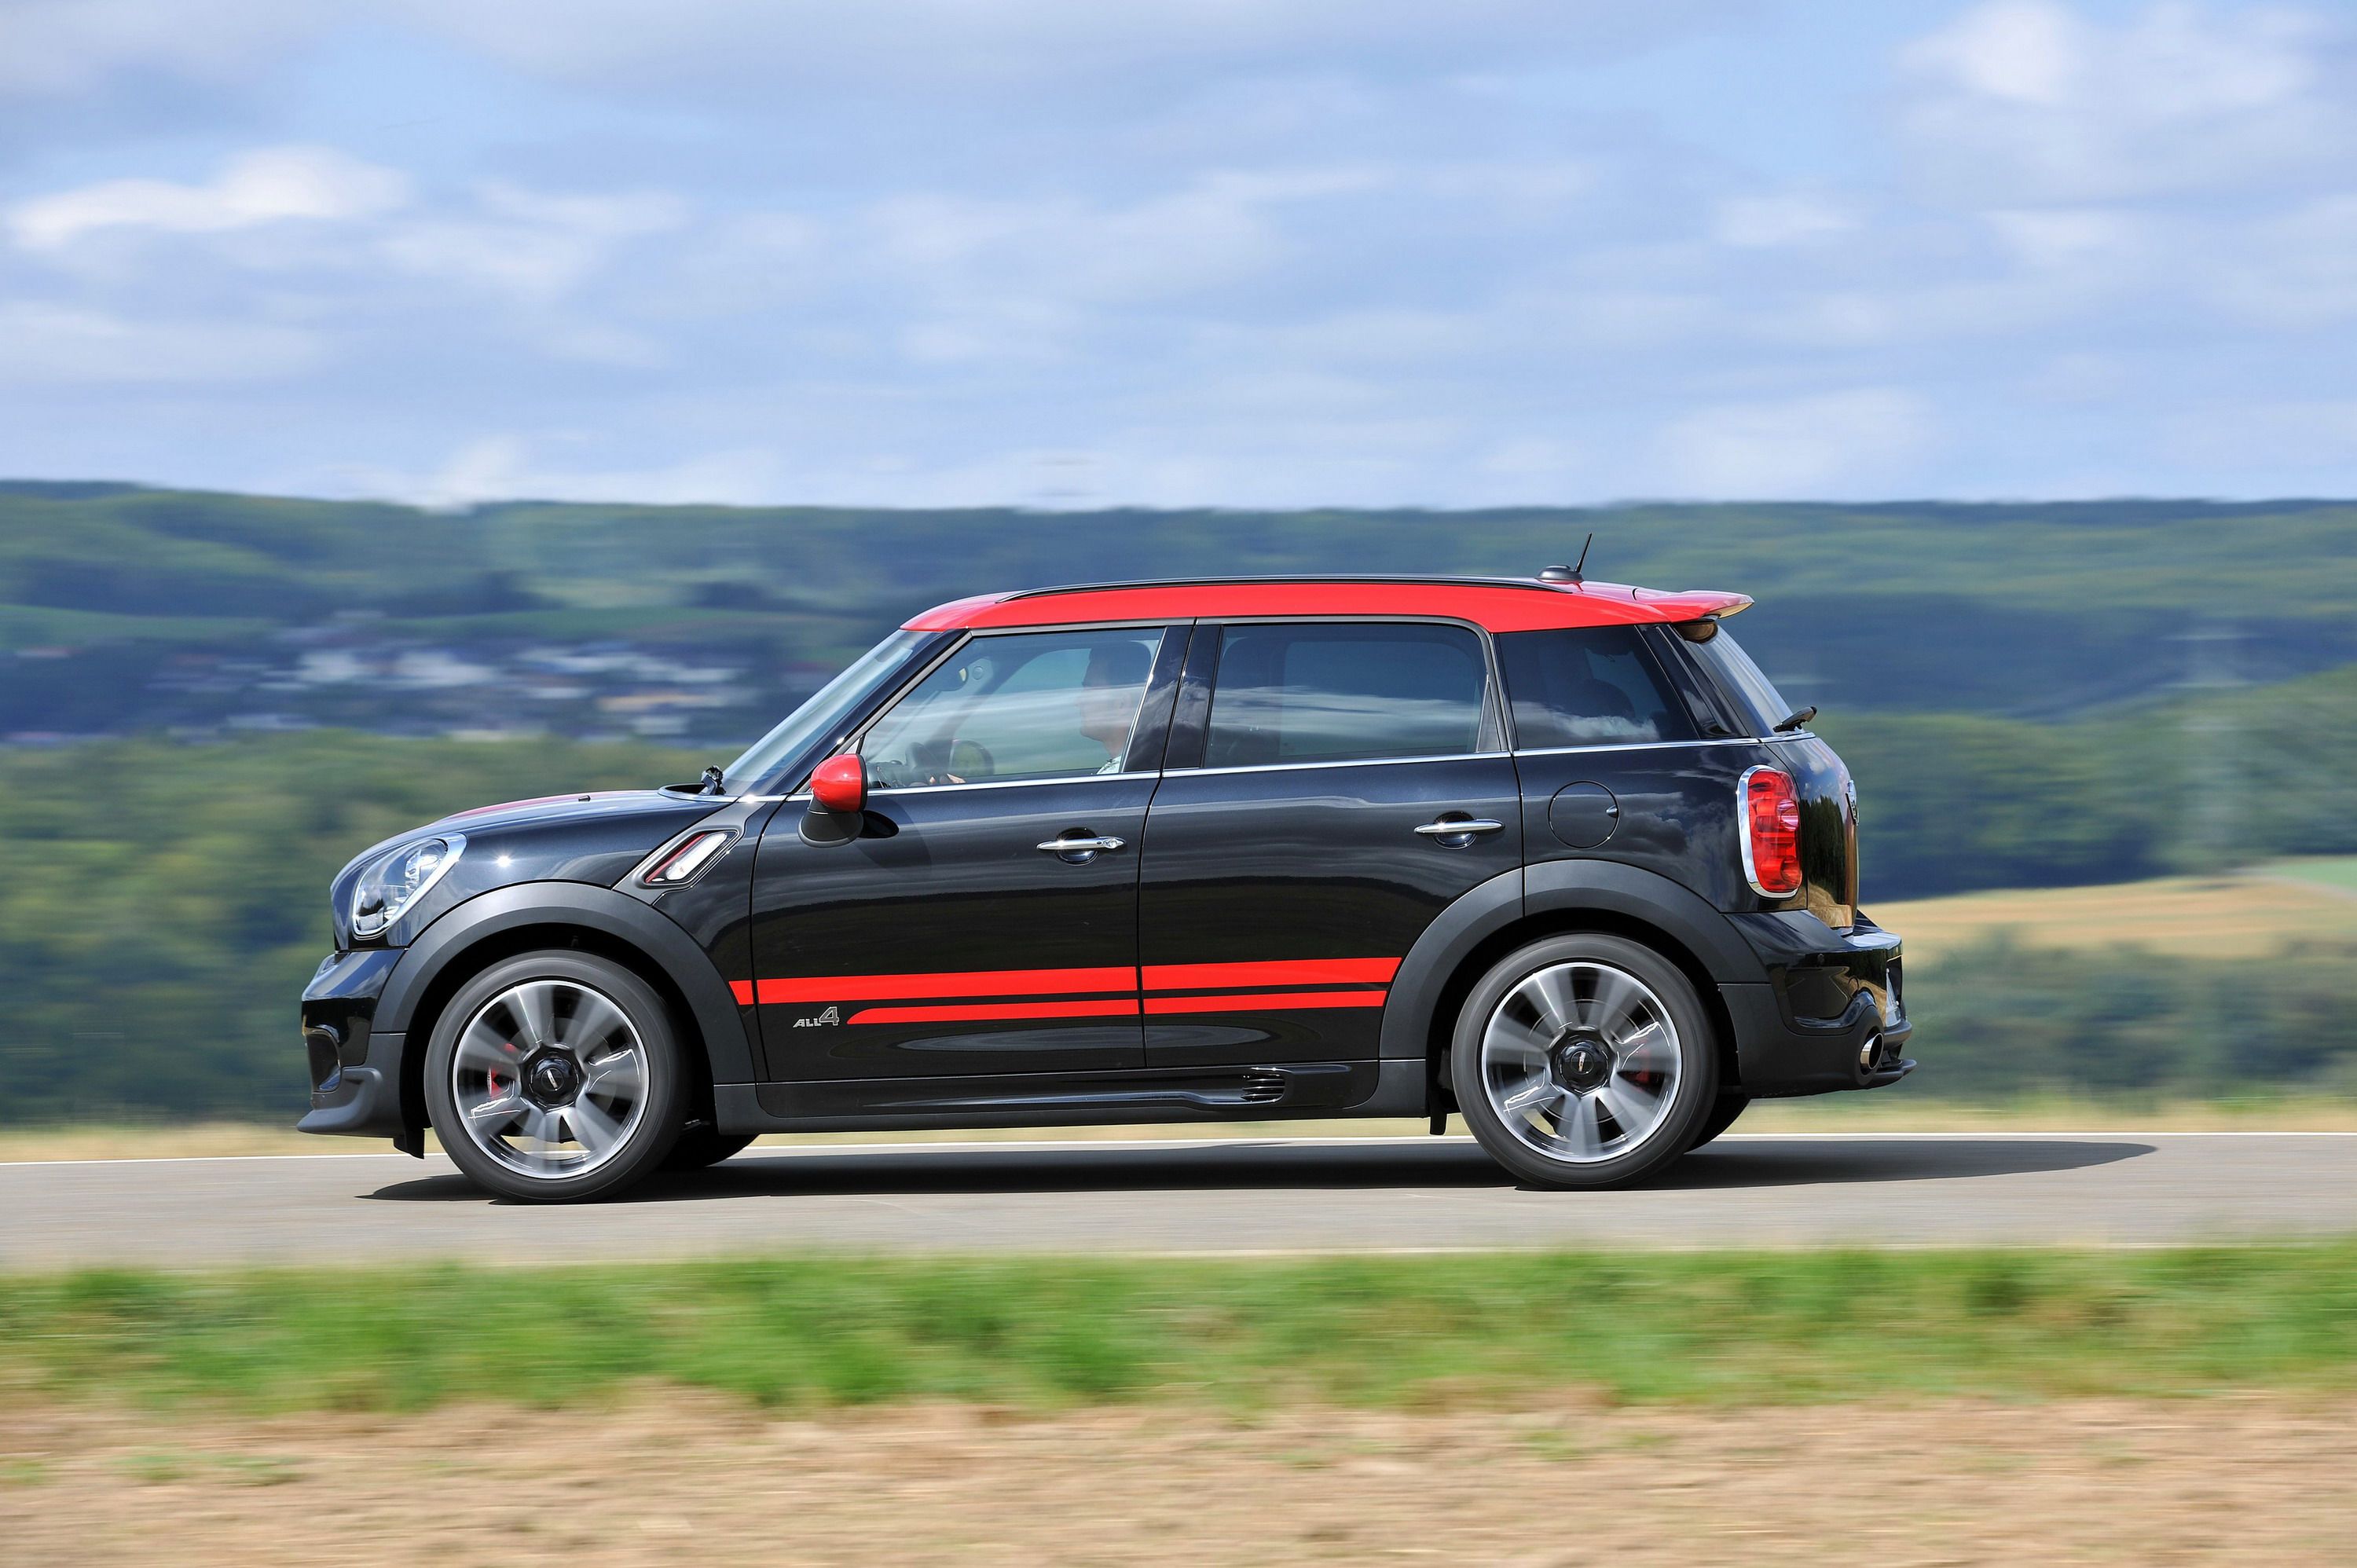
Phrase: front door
(1332, 787)
(985, 919)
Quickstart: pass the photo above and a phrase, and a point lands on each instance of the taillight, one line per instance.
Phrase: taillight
(691, 856)
(1771, 809)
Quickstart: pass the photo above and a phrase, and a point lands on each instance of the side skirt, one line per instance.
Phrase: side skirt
(1295, 1089)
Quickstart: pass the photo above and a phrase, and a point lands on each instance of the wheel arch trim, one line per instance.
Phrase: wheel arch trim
(579, 906)
(1551, 896)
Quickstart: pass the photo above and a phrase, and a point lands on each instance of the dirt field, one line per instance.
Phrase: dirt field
(2226, 1480)
(2200, 916)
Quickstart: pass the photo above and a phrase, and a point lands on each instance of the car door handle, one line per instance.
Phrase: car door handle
(1079, 848)
(1460, 827)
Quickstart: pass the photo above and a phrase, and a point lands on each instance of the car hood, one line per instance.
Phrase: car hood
(595, 837)
(600, 805)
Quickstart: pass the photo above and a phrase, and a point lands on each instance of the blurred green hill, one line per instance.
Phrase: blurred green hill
(2029, 610)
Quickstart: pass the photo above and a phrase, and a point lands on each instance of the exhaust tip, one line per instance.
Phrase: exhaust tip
(1870, 1052)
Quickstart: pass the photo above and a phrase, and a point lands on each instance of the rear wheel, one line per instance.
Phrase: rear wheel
(555, 1077)
(1584, 1061)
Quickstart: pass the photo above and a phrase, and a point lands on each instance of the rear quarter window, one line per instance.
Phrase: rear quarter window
(1589, 686)
(1344, 692)
(1745, 685)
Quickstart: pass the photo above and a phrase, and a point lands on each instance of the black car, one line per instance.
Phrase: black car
(1550, 853)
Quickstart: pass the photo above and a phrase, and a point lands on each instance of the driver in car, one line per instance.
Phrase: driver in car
(1108, 697)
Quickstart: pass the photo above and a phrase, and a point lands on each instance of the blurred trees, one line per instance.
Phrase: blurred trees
(161, 906)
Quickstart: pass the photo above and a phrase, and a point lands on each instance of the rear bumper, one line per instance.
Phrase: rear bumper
(356, 1073)
(1828, 1012)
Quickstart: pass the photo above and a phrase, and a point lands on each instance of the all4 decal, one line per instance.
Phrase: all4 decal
(829, 1016)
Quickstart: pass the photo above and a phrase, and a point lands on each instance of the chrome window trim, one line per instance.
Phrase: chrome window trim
(1337, 762)
(1635, 746)
(986, 784)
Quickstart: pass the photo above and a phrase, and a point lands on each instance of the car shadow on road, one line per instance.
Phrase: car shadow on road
(1736, 1163)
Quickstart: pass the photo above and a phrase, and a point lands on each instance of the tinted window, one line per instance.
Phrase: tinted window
(1755, 695)
(1340, 692)
(1594, 686)
(1047, 704)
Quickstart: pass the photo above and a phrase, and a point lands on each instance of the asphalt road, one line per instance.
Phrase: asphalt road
(1232, 1197)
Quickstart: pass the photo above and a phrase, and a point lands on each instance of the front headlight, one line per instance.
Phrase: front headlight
(393, 882)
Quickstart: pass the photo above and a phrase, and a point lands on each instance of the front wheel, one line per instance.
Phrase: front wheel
(1732, 1103)
(555, 1077)
(1584, 1061)
(705, 1145)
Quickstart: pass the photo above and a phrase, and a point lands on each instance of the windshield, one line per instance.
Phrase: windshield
(1764, 708)
(826, 708)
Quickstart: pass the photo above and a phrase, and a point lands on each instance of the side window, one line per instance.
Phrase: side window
(1051, 705)
(1592, 686)
(1344, 692)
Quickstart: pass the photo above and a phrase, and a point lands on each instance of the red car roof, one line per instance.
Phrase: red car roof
(1500, 604)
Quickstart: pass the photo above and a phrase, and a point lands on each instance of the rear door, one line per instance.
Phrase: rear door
(956, 935)
(1331, 786)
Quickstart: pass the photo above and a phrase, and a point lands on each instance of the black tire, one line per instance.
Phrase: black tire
(1689, 1047)
(1731, 1104)
(644, 1143)
(704, 1146)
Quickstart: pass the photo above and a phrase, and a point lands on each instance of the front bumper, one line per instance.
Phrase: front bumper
(356, 1073)
(1829, 1012)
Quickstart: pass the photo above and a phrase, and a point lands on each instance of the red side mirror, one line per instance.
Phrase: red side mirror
(839, 784)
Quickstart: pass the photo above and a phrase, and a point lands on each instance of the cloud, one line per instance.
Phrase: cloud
(54, 346)
(1215, 229)
(2300, 271)
(51, 48)
(524, 244)
(1772, 222)
(1805, 445)
(1184, 251)
(952, 43)
(500, 467)
(272, 186)
(2025, 101)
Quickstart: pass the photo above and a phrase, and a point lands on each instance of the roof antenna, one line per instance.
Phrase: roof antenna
(1568, 573)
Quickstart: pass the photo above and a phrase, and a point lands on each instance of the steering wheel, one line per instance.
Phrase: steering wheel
(971, 760)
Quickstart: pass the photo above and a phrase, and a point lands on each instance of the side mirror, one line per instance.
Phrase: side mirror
(839, 784)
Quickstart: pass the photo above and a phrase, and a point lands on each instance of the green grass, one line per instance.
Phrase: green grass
(2338, 871)
(1505, 1329)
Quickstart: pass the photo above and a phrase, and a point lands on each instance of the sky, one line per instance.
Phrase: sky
(1180, 252)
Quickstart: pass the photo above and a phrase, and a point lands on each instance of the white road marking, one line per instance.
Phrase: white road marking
(1403, 1141)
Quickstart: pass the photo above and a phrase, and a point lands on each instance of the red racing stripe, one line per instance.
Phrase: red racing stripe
(1124, 1007)
(1281, 971)
(969, 982)
(1271, 1001)
(744, 990)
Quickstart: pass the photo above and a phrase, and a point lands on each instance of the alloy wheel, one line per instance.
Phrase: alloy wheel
(1580, 1060)
(550, 1078)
